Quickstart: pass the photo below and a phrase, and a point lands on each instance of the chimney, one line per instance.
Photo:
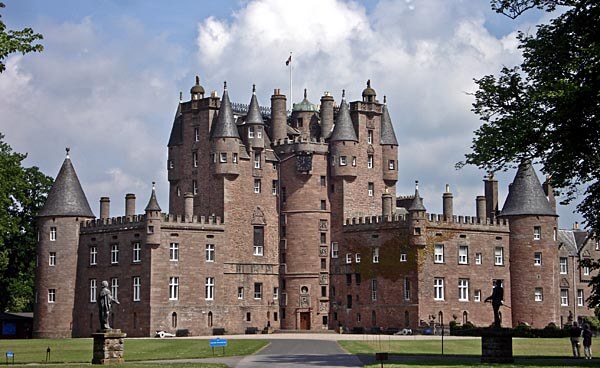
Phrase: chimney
(549, 192)
(104, 208)
(278, 116)
(386, 204)
(491, 196)
(129, 205)
(188, 206)
(447, 204)
(480, 208)
(326, 115)
(576, 226)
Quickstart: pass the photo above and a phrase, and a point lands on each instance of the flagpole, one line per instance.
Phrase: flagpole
(291, 93)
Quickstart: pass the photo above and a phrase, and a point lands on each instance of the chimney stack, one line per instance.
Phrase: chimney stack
(104, 208)
(188, 206)
(447, 204)
(480, 208)
(491, 196)
(129, 205)
(278, 116)
(549, 192)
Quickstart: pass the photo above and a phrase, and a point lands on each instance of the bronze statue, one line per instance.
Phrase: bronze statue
(497, 299)
(105, 300)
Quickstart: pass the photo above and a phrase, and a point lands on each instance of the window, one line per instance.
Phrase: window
(342, 160)
(258, 132)
(137, 285)
(173, 288)
(259, 240)
(357, 278)
(53, 234)
(93, 290)
(438, 253)
(554, 234)
(196, 134)
(406, 288)
(283, 195)
(369, 136)
(580, 297)
(274, 187)
(537, 258)
(370, 189)
(194, 187)
(209, 253)
(374, 290)
(52, 259)
(376, 255)
(563, 265)
(114, 287)
(223, 157)
(334, 250)
(498, 256)
(251, 132)
(538, 295)
(51, 295)
(478, 258)
(256, 186)
(174, 252)
(402, 257)
(323, 291)
(354, 161)
(114, 254)
(348, 301)
(137, 250)
(586, 271)
(323, 205)
(323, 238)
(275, 293)
(93, 254)
(209, 288)
(392, 165)
(195, 159)
(234, 158)
(257, 160)
(597, 244)
(258, 288)
(240, 292)
(463, 290)
(477, 296)
(370, 161)
(357, 257)
(213, 157)
(323, 181)
(438, 288)
(348, 279)
(463, 254)
(349, 258)
(537, 232)
(564, 297)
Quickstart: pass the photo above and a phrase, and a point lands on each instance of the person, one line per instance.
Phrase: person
(105, 300)
(574, 335)
(587, 341)
(497, 299)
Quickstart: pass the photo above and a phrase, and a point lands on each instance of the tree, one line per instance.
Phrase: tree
(23, 192)
(17, 41)
(548, 108)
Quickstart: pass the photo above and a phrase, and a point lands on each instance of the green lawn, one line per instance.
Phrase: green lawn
(80, 350)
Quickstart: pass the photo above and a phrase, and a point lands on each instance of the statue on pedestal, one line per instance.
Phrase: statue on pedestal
(497, 299)
(105, 300)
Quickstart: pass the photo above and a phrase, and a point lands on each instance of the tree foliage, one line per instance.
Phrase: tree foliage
(548, 108)
(17, 41)
(22, 194)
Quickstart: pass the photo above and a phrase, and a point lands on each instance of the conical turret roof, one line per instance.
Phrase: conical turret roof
(176, 136)
(417, 203)
(388, 136)
(526, 196)
(66, 197)
(153, 203)
(254, 116)
(343, 129)
(225, 126)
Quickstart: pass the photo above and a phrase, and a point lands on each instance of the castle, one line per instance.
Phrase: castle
(291, 221)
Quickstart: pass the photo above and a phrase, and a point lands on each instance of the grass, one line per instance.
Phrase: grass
(80, 350)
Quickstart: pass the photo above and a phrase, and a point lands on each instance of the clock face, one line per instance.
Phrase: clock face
(304, 162)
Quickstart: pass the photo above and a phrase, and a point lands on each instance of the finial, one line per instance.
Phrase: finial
(68, 150)
(368, 83)
(153, 185)
(225, 85)
(180, 96)
(447, 188)
(384, 99)
(197, 80)
(416, 185)
(254, 89)
(305, 93)
(343, 93)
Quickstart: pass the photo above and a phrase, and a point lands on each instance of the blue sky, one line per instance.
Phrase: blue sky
(108, 81)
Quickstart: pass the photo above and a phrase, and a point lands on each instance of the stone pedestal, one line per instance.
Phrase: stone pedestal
(109, 347)
(496, 346)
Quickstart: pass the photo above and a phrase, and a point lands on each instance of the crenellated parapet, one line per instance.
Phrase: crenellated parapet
(467, 220)
(171, 219)
(375, 222)
(300, 144)
(139, 221)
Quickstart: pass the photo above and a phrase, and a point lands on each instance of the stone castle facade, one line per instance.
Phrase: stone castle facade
(291, 221)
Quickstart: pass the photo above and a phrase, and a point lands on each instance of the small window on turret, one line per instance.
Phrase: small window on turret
(194, 187)
(258, 132)
(370, 136)
(342, 160)
(195, 159)
(251, 132)
(223, 157)
(392, 165)
(370, 161)
(537, 232)
(169, 164)
(53, 233)
(235, 158)
(354, 161)
(257, 160)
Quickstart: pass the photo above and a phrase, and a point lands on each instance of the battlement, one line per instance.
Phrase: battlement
(373, 222)
(113, 222)
(123, 222)
(300, 144)
(202, 220)
(466, 220)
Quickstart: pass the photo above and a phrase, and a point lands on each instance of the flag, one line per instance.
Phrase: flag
(288, 61)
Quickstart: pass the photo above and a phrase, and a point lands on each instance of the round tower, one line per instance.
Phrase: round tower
(225, 140)
(326, 115)
(58, 225)
(304, 118)
(343, 144)
(389, 147)
(278, 116)
(532, 222)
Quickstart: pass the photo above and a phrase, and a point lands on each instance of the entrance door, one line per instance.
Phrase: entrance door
(305, 320)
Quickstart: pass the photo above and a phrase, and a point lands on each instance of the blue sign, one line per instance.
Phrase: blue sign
(10, 354)
(217, 343)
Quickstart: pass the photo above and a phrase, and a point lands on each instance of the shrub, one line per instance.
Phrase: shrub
(593, 322)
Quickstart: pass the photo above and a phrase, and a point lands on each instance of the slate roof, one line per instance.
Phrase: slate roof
(153, 203)
(526, 196)
(225, 126)
(417, 203)
(176, 137)
(66, 197)
(388, 136)
(567, 239)
(254, 116)
(343, 129)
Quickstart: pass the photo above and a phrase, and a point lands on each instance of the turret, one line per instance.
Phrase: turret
(225, 140)
(153, 219)
(343, 144)
(58, 227)
(304, 118)
(389, 147)
(197, 91)
(418, 218)
(254, 124)
(326, 115)
(532, 224)
(278, 116)
(447, 204)
(549, 191)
